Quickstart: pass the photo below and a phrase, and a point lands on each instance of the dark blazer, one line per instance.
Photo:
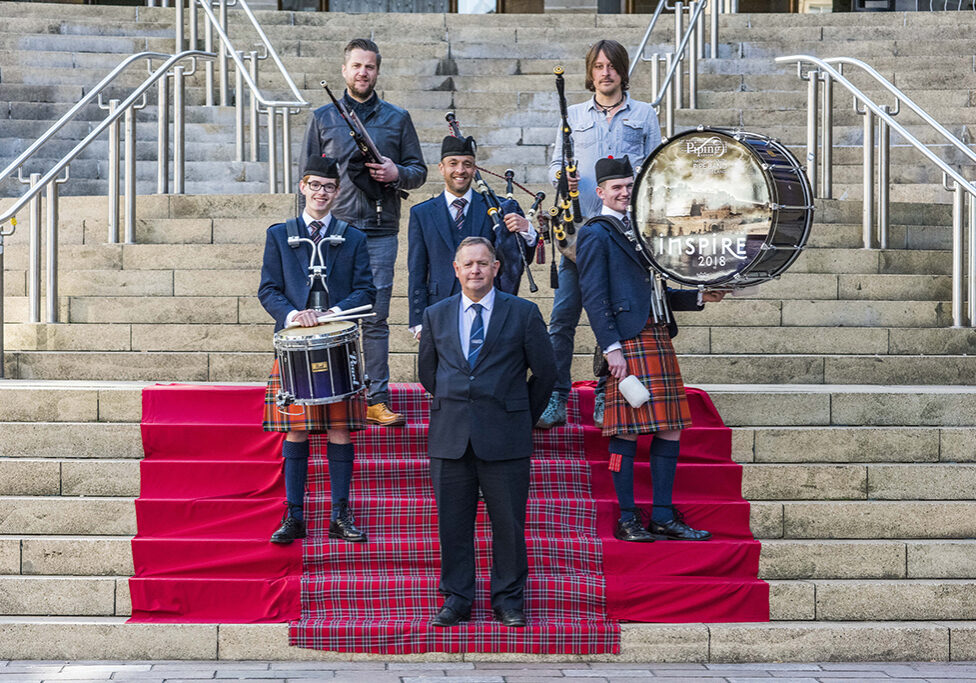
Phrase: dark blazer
(616, 286)
(395, 136)
(433, 240)
(284, 274)
(491, 405)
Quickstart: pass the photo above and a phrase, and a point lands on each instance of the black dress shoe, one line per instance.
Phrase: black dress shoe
(511, 617)
(344, 526)
(291, 529)
(677, 530)
(632, 531)
(448, 616)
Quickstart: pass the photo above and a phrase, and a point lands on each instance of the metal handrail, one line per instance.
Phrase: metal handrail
(272, 108)
(905, 100)
(98, 130)
(639, 55)
(960, 186)
(49, 182)
(91, 95)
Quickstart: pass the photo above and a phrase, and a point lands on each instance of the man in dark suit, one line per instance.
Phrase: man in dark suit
(289, 297)
(475, 350)
(630, 312)
(438, 225)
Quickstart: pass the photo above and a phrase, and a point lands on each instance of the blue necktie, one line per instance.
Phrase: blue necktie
(458, 205)
(315, 231)
(477, 338)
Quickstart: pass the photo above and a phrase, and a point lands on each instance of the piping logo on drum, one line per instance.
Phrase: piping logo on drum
(712, 147)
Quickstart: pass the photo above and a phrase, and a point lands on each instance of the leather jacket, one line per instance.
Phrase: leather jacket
(395, 136)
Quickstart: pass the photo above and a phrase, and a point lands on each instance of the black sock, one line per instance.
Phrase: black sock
(295, 454)
(340, 457)
(622, 452)
(664, 464)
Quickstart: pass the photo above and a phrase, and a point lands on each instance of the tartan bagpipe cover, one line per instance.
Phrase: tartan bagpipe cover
(380, 596)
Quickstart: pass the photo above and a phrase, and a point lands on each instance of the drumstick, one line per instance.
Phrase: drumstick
(332, 316)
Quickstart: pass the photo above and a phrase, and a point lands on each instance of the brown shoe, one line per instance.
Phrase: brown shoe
(379, 414)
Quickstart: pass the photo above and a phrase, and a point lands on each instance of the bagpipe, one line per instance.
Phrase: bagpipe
(565, 211)
(495, 211)
(368, 153)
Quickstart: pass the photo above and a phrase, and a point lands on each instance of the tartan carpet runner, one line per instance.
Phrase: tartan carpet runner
(212, 492)
(380, 596)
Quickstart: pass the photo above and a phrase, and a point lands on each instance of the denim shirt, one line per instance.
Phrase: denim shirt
(633, 132)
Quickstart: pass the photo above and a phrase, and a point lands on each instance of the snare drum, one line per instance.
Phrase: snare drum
(319, 364)
(721, 209)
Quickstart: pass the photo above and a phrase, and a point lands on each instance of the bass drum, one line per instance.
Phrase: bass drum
(720, 208)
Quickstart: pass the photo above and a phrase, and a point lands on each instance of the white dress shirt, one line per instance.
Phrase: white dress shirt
(450, 197)
(467, 314)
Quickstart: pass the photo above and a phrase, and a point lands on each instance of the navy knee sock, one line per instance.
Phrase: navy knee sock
(622, 454)
(664, 464)
(295, 455)
(340, 457)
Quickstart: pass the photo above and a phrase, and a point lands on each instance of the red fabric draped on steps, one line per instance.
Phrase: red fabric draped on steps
(212, 493)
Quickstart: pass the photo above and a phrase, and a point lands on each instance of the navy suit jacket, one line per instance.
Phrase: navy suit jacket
(284, 274)
(616, 286)
(491, 405)
(431, 244)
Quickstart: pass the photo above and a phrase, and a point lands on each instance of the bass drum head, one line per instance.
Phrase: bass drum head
(704, 203)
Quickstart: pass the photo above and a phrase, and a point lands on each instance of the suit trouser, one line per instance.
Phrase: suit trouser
(567, 306)
(505, 485)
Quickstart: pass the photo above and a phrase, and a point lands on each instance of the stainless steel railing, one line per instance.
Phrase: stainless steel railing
(173, 69)
(882, 117)
(689, 44)
(49, 181)
(246, 75)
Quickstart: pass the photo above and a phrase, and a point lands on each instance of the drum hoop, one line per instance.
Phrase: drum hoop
(770, 185)
(314, 341)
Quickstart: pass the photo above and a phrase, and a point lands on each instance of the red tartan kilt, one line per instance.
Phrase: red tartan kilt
(651, 358)
(349, 414)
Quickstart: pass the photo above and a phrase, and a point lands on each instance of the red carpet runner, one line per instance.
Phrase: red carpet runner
(212, 492)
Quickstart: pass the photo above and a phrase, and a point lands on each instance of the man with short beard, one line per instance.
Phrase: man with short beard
(370, 196)
(438, 225)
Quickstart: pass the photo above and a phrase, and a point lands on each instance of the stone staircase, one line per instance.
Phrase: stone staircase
(845, 386)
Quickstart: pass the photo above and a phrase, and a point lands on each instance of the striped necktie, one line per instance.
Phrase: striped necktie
(459, 204)
(477, 337)
(315, 231)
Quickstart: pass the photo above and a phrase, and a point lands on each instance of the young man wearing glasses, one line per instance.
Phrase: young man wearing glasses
(289, 297)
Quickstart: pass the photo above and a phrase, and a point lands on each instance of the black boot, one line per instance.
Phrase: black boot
(291, 529)
(632, 530)
(344, 526)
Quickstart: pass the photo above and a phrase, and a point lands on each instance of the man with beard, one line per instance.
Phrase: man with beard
(370, 196)
(438, 225)
(613, 124)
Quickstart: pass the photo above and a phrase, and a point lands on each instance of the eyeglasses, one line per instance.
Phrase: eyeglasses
(322, 187)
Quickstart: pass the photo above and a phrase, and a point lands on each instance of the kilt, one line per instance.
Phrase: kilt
(651, 358)
(349, 414)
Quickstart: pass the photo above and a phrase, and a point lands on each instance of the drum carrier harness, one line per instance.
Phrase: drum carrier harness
(318, 298)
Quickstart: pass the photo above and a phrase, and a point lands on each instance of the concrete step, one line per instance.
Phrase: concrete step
(64, 595)
(236, 366)
(68, 477)
(853, 444)
(930, 481)
(872, 559)
(66, 555)
(65, 638)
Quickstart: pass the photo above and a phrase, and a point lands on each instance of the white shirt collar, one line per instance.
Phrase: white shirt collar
(325, 220)
(487, 301)
(449, 198)
(607, 211)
